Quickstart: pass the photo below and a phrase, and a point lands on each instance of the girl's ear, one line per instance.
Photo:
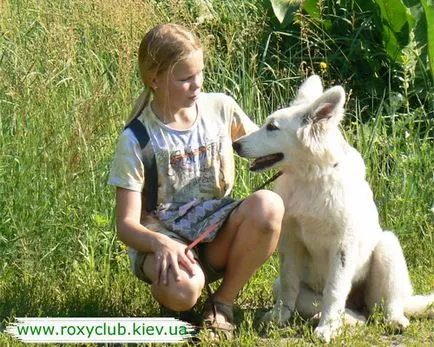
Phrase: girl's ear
(151, 81)
(154, 84)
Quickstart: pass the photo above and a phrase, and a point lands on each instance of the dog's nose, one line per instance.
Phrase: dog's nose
(236, 146)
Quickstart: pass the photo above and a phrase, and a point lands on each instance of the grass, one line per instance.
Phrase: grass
(67, 81)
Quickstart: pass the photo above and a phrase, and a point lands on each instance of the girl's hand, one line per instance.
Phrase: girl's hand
(170, 254)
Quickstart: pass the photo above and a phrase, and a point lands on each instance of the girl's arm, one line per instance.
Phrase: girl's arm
(128, 214)
(168, 253)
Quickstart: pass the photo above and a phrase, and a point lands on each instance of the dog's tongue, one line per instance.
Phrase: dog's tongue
(263, 163)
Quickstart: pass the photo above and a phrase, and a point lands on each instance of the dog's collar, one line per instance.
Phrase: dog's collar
(279, 173)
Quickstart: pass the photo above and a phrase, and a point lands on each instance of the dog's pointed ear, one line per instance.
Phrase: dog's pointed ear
(310, 90)
(329, 105)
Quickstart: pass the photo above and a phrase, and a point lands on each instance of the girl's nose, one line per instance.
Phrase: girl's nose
(197, 81)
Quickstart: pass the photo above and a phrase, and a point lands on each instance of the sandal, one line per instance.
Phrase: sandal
(186, 316)
(210, 310)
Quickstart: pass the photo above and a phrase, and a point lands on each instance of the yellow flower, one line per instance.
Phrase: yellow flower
(323, 66)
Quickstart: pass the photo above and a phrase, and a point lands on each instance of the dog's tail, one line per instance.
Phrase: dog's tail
(420, 305)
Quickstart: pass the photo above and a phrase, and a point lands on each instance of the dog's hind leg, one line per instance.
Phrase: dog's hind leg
(388, 281)
(309, 305)
(420, 305)
(308, 302)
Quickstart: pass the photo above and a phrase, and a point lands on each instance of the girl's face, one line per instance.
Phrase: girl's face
(180, 87)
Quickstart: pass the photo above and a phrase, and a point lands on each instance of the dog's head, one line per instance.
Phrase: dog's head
(307, 131)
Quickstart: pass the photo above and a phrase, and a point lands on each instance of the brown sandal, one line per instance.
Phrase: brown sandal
(210, 310)
(187, 316)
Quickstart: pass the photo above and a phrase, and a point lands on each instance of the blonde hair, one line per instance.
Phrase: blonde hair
(161, 48)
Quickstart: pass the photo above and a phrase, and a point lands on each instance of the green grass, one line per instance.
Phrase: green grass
(67, 81)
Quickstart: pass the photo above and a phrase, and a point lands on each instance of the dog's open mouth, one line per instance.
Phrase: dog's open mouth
(265, 162)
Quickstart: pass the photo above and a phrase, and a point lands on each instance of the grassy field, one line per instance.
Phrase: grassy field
(68, 78)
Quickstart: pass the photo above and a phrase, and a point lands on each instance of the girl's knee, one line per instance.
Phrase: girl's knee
(182, 295)
(267, 211)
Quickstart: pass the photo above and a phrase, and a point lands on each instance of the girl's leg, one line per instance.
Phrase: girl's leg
(247, 239)
(175, 295)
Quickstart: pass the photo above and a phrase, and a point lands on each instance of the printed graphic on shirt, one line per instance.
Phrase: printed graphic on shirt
(191, 173)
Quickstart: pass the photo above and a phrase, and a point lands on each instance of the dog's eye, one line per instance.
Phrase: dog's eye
(272, 126)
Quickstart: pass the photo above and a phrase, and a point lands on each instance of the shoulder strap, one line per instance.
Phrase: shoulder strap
(151, 181)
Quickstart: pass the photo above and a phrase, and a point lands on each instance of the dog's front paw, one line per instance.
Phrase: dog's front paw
(325, 333)
(399, 323)
(280, 315)
(328, 331)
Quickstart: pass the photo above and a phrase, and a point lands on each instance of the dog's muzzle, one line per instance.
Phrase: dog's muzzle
(236, 146)
(260, 163)
(265, 162)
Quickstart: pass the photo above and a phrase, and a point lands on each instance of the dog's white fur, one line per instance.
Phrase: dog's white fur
(334, 256)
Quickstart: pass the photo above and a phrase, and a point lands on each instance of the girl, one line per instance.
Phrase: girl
(173, 179)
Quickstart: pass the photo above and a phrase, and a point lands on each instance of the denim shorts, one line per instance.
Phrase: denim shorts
(137, 258)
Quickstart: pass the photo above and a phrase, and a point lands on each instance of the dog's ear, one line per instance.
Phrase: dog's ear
(329, 106)
(323, 115)
(310, 90)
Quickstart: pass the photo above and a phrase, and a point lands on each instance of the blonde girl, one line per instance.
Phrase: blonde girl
(188, 142)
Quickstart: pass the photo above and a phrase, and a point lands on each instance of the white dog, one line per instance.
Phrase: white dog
(334, 256)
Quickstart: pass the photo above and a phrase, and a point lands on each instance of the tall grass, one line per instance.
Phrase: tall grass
(68, 78)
